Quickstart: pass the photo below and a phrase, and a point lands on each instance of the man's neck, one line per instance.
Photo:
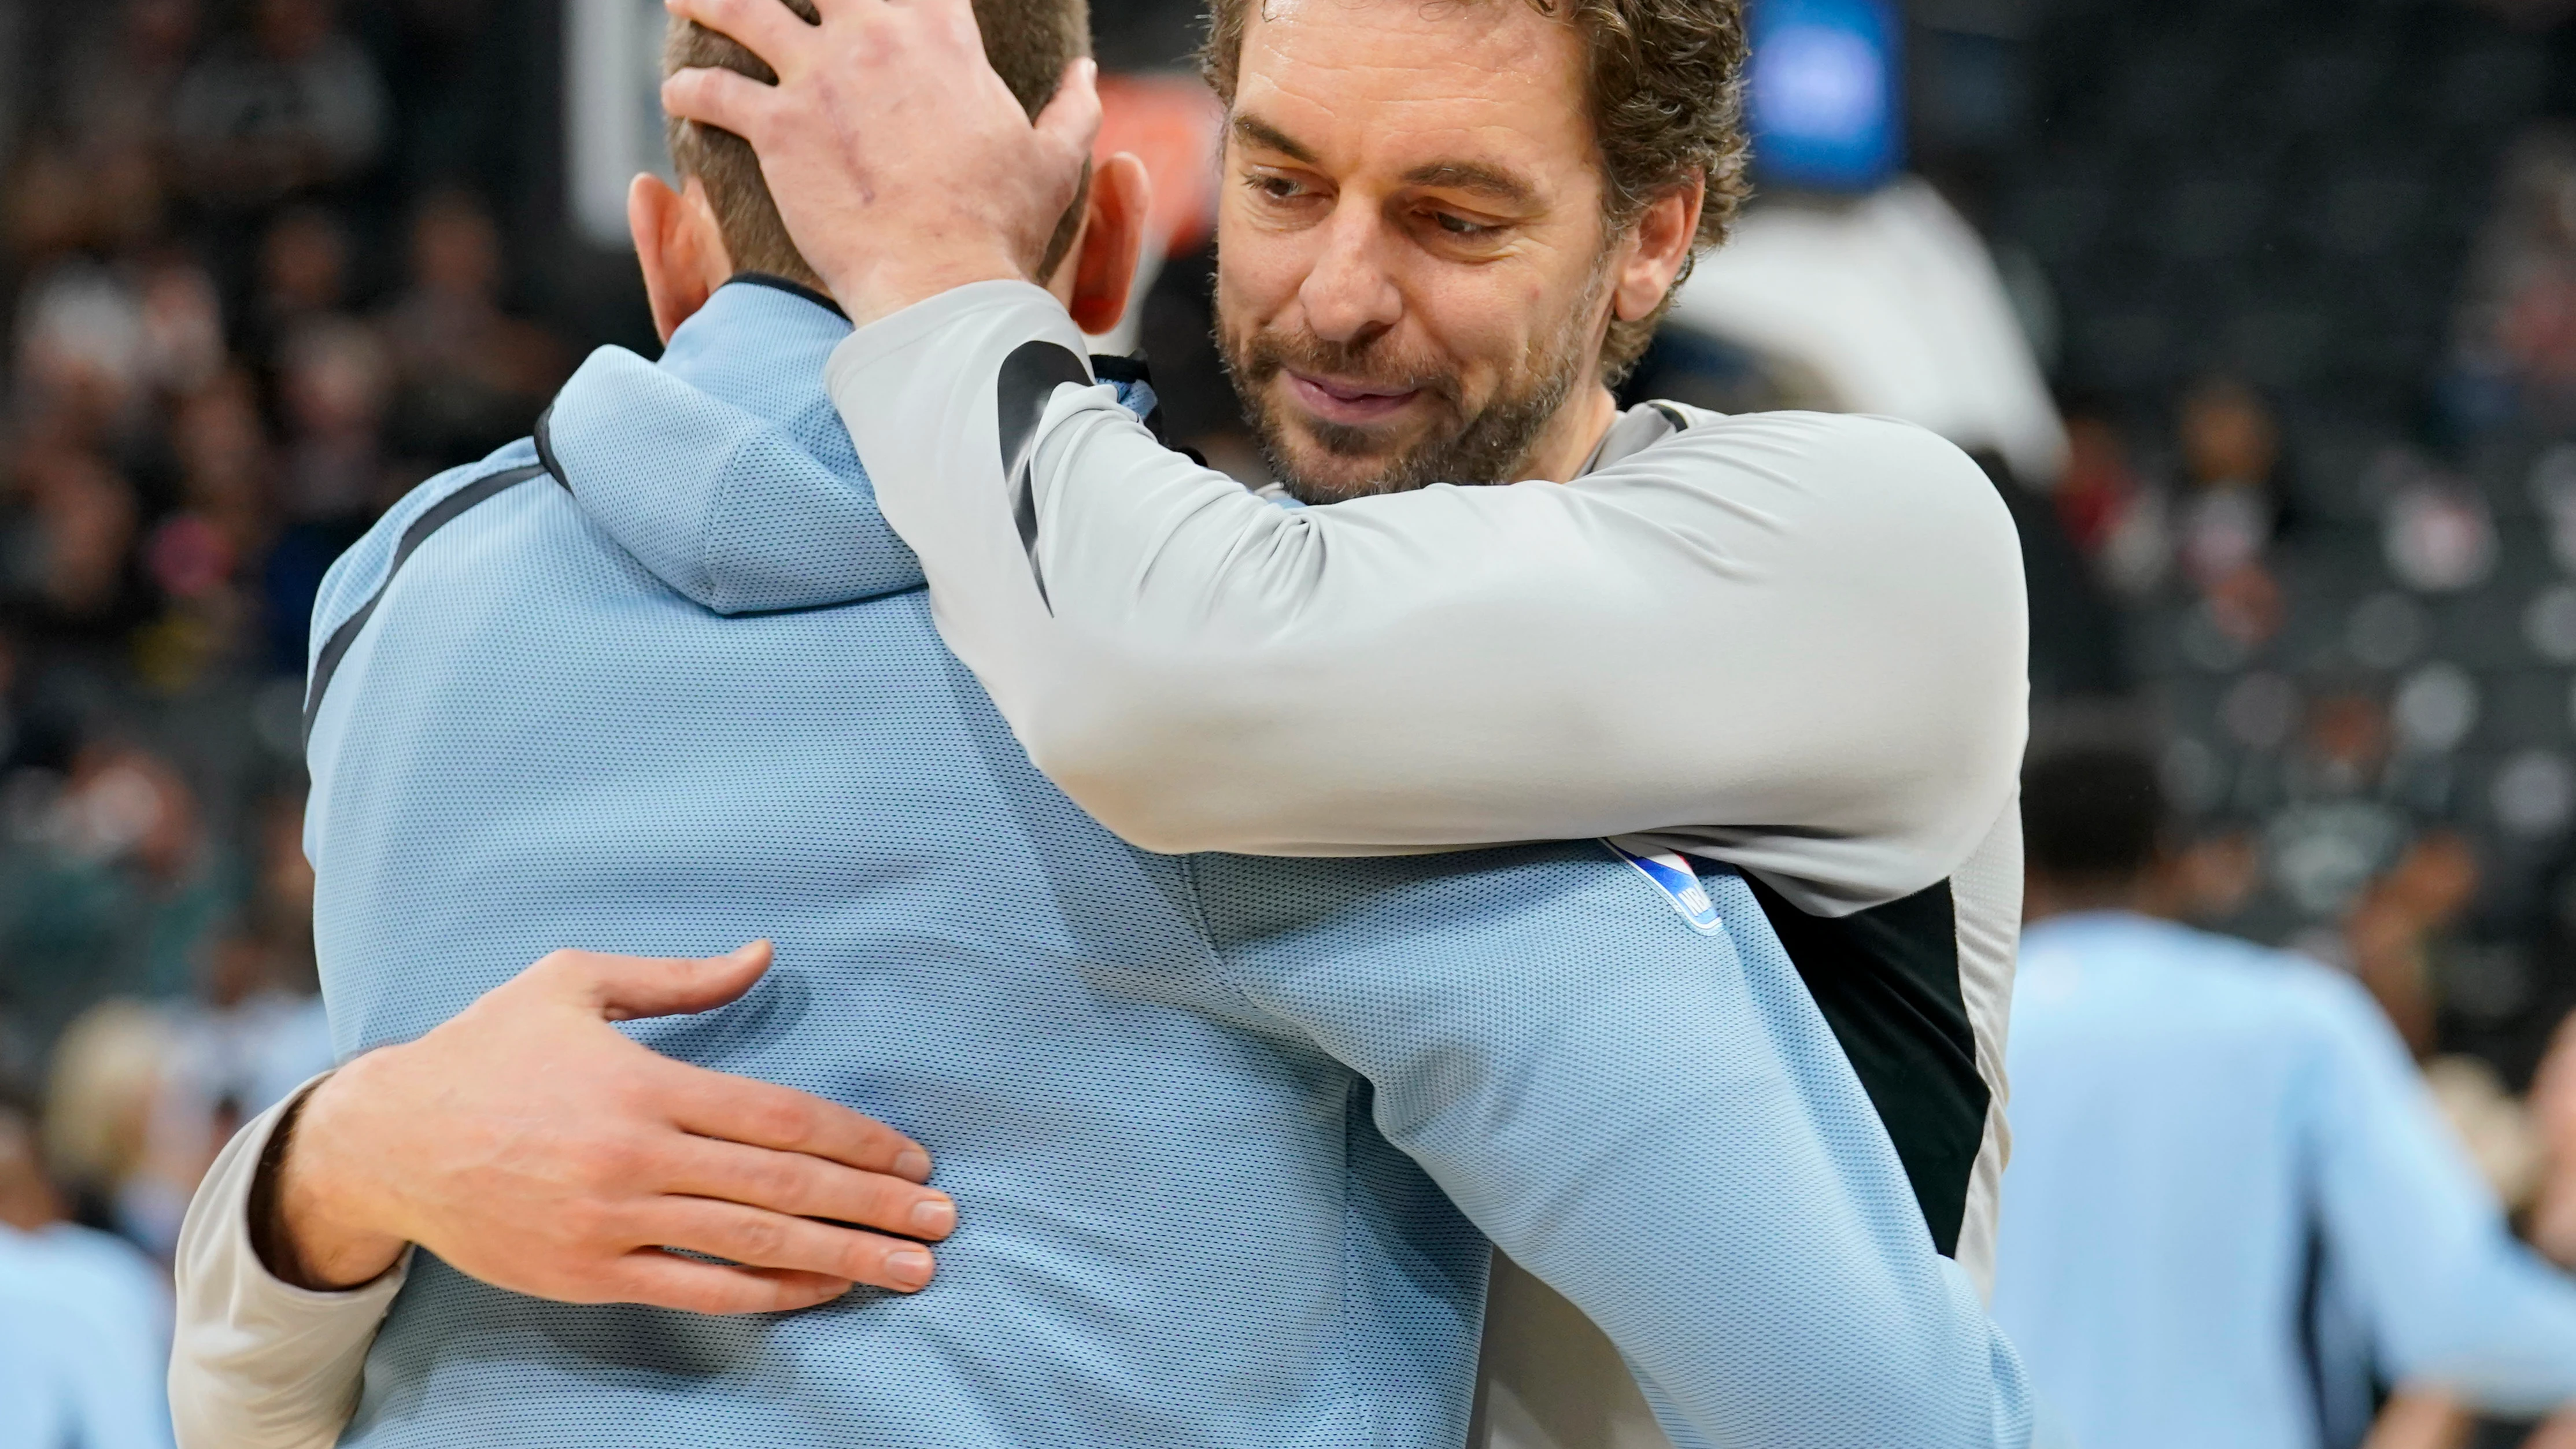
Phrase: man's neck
(1571, 438)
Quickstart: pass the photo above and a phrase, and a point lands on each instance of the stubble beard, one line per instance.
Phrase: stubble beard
(1489, 446)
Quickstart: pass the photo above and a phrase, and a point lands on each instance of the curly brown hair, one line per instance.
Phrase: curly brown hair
(1665, 83)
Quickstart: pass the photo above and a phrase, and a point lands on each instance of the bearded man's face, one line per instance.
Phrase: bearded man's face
(1414, 270)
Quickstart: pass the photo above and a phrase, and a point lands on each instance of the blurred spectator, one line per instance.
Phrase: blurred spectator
(69, 535)
(122, 81)
(147, 1093)
(99, 1092)
(2394, 923)
(335, 381)
(2110, 516)
(181, 325)
(107, 199)
(196, 556)
(303, 277)
(80, 355)
(472, 376)
(2230, 509)
(2199, 1123)
(290, 104)
(2515, 341)
(112, 888)
(84, 1319)
(237, 1054)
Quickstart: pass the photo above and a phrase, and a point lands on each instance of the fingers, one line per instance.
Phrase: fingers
(764, 27)
(809, 1187)
(658, 1279)
(761, 1114)
(758, 1239)
(622, 988)
(1071, 120)
(724, 99)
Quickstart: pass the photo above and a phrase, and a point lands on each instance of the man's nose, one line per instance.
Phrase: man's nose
(1349, 296)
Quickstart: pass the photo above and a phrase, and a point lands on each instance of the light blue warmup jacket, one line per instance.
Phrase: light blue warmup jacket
(1223, 1131)
(2207, 1133)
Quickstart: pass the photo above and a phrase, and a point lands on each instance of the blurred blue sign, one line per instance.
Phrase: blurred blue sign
(1824, 94)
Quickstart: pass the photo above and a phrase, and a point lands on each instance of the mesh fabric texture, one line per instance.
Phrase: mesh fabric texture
(1186, 1105)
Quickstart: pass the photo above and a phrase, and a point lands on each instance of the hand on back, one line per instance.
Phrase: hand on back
(532, 1145)
(900, 162)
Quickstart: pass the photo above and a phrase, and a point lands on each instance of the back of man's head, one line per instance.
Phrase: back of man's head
(2093, 816)
(1029, 42)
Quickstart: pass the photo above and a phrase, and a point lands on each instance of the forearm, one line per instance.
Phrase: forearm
(1731, 635)
(2505, 1339)
(258, 1363)
(2461, 1305)
(2456, 1302)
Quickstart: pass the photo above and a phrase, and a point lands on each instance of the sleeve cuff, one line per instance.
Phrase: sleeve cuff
(259, 1363)
(992, 303)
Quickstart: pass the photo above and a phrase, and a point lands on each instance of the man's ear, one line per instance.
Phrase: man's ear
(680, 248)
(1113, 236)
(1660, 242)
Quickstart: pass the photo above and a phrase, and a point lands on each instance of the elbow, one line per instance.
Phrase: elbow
(1122, 775)
(1175, 754)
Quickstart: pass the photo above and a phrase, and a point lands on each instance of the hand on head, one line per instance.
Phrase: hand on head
(530, 1144)
(899, 160)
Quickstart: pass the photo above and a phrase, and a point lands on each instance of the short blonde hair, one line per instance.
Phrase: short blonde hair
(1029, 42)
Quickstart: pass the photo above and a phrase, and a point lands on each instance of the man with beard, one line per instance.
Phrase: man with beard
(1787, 641)
(1125, 1073)
(1443, 233)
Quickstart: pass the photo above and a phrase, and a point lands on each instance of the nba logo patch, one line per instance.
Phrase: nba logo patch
(1673, 878)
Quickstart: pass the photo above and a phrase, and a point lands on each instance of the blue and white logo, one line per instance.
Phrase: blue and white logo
(1673, 876)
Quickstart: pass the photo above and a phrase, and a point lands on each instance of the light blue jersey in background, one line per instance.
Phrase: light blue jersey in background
(2192, 1116)
(84, 1338)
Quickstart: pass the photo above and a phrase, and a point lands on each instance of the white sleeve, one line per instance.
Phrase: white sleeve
(1789, 640)
(258, 1363)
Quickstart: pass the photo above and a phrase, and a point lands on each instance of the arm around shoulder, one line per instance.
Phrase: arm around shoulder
(1801, 640)
(1814, 624)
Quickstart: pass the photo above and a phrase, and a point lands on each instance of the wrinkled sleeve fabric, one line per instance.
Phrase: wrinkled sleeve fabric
(1654, 1122)
(1794, 641)
(258, 1363)
(2452, 1297)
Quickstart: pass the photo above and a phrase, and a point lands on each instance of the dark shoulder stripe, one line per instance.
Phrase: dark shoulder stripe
(544, 437)
(1887, 981)
(1028, 380)
(447, 511)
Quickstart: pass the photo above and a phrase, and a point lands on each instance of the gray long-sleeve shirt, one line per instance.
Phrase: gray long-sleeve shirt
(1791, 642)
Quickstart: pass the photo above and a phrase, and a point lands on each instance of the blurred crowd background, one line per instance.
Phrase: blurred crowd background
(2261, 312)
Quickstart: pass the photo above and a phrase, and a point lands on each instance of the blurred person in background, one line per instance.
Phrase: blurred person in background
(335, 380)
(84, 1318)
(2231, 510)
(470, 374)
(290, 103)
(2201, 1124)
(302, 278)
(111, 888)
(122, 79)
(2514, 338)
